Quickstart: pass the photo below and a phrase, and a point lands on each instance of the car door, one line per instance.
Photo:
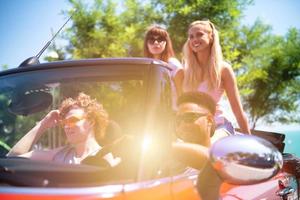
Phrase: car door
(177, 179)
(184, 185)
(113, 192)
(158, 189)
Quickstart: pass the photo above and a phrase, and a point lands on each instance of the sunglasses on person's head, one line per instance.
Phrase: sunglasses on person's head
(189, 117)
(159, 39)
(71, 121)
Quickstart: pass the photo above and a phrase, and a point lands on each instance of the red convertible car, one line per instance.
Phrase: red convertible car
(137, 93)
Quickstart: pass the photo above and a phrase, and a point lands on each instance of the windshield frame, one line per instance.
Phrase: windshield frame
(99, 70)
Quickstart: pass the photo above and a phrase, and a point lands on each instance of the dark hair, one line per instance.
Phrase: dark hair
(156, 30)
(199, 98)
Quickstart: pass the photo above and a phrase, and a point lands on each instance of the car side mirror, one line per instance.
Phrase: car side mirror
(245, 159)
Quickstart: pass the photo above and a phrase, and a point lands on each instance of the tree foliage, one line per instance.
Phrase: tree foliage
(225, 14)
(4, 67)
(103, 29)
(275, 95)
(266, 65)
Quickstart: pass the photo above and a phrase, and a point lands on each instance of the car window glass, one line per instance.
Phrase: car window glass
(156, 157)
(122, 95)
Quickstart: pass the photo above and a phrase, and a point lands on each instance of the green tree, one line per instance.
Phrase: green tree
(225, 14)
(266, 65)
(101, 29)
(4, 67)
(275, 95)
(248, 49)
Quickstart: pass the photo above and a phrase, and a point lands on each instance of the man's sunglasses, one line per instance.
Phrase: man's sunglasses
(189, 117)
(71, 121)
(159, 39)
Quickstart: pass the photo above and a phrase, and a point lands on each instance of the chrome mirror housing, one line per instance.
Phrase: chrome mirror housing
(245, 159)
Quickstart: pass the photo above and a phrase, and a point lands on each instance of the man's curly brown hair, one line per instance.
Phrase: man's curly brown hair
(94, 111)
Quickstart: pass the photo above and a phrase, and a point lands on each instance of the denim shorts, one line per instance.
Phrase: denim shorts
(227, 126)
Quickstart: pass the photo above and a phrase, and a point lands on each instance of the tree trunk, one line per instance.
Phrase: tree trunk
(254, 122)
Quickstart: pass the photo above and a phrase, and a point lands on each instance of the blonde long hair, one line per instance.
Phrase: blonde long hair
(193, 73)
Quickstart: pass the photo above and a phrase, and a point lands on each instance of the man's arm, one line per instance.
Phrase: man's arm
(193, 155)
(41, 155)
(25, 143)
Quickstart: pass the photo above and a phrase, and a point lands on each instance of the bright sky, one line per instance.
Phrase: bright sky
(280, 14)
(25, 25)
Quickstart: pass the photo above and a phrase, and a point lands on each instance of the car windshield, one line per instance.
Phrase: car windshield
(22, 99)
(27, 97)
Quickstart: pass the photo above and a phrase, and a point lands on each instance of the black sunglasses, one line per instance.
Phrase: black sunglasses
(159, 39)
(189, 117)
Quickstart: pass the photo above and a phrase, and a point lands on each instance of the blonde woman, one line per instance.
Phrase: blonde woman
(206, 71)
